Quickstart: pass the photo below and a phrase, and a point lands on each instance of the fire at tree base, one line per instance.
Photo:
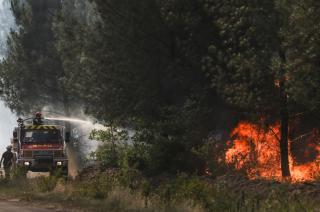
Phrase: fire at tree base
(255, 150)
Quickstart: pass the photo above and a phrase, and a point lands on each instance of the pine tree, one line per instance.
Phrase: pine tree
(32, 71)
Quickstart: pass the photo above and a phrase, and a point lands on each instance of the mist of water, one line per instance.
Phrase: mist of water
(81, 146)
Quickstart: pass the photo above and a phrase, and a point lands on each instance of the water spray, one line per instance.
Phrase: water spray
(82, 146)
(90, 124)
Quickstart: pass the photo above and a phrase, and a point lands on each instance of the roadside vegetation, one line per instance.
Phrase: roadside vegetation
(112, 185)
(129, 190)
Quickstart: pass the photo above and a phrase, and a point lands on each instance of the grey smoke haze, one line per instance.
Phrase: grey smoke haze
(7, 119)
(7, 123)
(6, 23)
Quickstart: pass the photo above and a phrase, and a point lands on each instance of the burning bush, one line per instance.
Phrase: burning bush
(256, 150)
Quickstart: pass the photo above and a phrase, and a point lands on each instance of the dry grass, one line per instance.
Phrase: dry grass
(183, 193)
(64, 195)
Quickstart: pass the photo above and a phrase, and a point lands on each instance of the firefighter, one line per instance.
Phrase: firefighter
(38, 119)
(7, 159)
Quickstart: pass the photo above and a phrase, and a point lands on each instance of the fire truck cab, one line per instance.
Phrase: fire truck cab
(40, 147)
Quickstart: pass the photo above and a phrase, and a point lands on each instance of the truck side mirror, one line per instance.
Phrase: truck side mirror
(67, 137)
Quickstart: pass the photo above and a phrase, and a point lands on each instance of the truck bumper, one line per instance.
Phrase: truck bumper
(43, 164)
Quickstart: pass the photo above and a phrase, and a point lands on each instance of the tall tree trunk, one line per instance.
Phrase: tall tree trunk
(284, 121)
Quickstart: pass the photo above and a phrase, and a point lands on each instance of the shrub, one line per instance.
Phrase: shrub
(185, 187)
(46, 184)
(98, 187)
(112, 152)
(19, 172)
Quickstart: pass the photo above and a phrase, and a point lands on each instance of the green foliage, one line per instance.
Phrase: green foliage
(112, 152)
(186, 187)
(46, 184)
(303, 42)
(109, 156)
(98, 188)
(148, 77)
(137, 156)
(239, 59)
(19, 172)
(31, 73)
(111, 135)
(213, 153)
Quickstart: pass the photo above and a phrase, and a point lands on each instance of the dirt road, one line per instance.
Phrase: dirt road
(16, 206)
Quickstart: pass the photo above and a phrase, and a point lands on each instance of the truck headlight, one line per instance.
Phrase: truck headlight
(26, 163)
(59, 163)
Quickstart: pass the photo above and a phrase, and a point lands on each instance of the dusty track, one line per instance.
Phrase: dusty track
(15, 206)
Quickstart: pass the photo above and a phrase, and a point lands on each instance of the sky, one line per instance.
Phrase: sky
(7, 119)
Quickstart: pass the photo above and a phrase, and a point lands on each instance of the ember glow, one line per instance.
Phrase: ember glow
(256, 151)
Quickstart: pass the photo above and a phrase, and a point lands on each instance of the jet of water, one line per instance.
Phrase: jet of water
(87, 123)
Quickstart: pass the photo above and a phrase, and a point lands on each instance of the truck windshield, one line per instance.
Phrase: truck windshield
(42, 136)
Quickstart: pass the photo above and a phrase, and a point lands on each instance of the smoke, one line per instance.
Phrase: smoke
(8, 119)
(6, 24)
(7, 123)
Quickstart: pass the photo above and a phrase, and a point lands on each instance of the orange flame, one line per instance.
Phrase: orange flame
(256, 150)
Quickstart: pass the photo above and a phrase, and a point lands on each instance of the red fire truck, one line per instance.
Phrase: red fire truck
(39, 146)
